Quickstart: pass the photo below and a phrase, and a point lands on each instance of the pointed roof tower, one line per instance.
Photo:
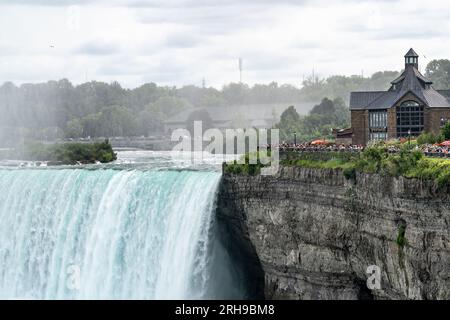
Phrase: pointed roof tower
(412, 59)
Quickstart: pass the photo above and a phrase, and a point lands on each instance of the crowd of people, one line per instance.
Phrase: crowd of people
(317, 147)
(435, 150)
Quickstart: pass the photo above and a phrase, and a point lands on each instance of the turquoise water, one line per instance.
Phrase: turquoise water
(106, 233)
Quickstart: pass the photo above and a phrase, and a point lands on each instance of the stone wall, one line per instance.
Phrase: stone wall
(360, 125)
(433, 118)
(311, 234)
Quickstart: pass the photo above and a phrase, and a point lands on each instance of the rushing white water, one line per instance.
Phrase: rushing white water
(110, 234)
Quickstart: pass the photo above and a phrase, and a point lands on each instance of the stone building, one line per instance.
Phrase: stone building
(409, 107)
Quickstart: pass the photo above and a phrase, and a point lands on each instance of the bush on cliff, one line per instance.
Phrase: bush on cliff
(68, 153)
(248, 167)
(349, 173)
(401, 240)
(410, 163)
(407, 163)
(377, 159)
(437, 170)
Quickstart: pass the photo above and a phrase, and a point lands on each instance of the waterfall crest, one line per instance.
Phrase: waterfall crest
(110, 234)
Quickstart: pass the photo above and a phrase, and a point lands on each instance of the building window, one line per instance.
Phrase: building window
(409, 119)
(378, 136)
(378, 125)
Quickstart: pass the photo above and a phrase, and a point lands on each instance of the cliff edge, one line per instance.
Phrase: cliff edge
(312, 234)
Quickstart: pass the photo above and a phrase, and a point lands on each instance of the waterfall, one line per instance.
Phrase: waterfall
(111, 234)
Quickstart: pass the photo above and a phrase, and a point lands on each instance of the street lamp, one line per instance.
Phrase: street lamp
(409, 139)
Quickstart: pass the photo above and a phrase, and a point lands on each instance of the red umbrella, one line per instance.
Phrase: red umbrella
(445, 143)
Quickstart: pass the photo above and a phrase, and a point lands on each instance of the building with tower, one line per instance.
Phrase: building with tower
(410, 106)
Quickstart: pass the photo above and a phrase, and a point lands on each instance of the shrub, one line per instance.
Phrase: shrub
(445, 131)
(350, 173)
(374, 159)
(429, 138)
(401, 240)
(247, 167)
(68, 153)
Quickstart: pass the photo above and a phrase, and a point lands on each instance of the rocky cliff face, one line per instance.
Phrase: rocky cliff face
(312, 234)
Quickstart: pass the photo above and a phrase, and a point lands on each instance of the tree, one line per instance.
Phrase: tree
(149, 122)
(342, 113)
(289, 123)
(199, 115)
(168, 105)
(326, 107)
(445, 131)
(317, 124)
(117, 121)
(235, 93)
(74, 128)
(92, 125)
(439, 72)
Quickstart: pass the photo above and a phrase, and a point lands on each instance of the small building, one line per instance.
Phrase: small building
(409, 107)
(343, 136)
(260, 116)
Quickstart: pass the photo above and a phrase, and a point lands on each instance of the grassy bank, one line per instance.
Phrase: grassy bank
(66, 153)
(247, 164)
(376, 159)
(407, 162)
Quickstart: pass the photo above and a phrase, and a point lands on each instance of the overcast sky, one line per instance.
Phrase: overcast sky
(179, 42)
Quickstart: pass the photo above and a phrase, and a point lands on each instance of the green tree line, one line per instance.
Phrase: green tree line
(59, 109)
(318, 124)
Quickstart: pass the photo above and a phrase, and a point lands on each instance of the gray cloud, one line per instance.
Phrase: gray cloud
(97, 49)
(407, 33)
(136, 40)
(183, 40)
(151, 3)
(52, 3)
(122, 66)
(208, 20)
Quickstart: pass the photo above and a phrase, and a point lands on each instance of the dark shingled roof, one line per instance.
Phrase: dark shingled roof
(445, 93)
(360, 100)
(411, 53)
(410, 81)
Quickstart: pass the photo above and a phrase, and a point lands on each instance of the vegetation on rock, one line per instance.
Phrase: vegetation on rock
(67, 153)
(401, 240)
(410, 163)
(252, 165)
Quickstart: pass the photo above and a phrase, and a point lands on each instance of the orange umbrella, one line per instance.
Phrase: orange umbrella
(317, 142)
